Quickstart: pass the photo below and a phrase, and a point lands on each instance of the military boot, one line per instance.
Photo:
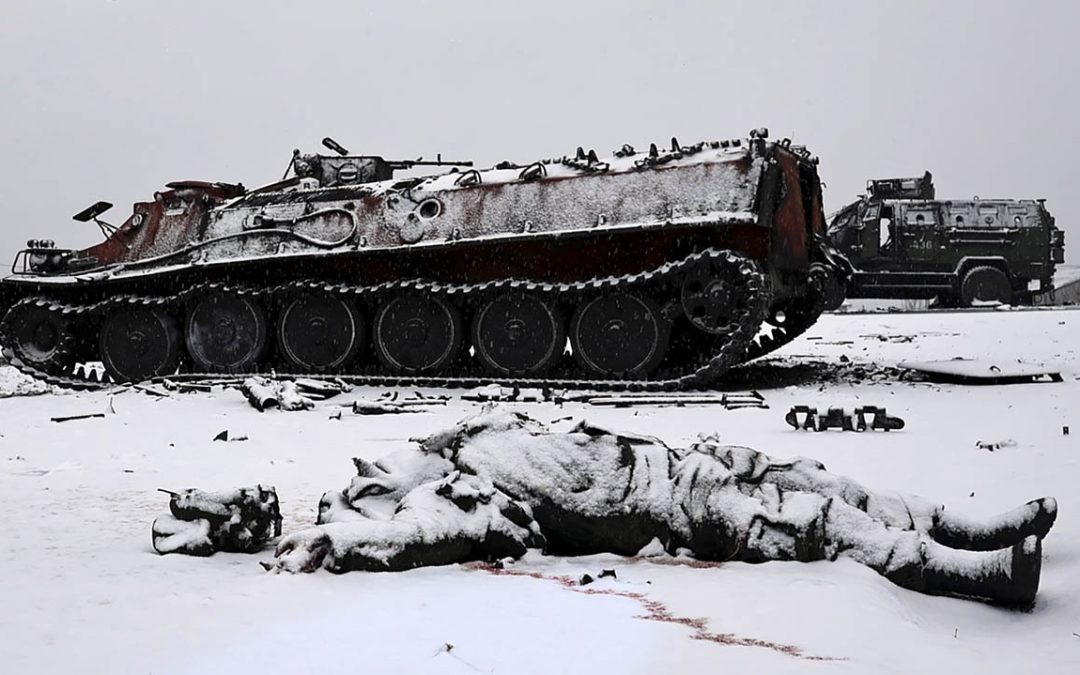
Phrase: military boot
(1034, 518)
(1007, 577)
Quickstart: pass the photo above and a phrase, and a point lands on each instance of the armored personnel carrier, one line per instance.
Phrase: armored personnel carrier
(905, 243)
(657, 269)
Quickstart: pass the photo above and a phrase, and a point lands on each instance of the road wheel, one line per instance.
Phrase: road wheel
(416, 333)
(226, 333)
(985, 284)
(139, 343)
(518, 334)
(619, 335)
(319, 333)
(38, 336)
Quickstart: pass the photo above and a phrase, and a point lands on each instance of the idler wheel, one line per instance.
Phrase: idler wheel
(518, 333)
(319, 333)
(226, 333)
(38, 336)
(140, 343)
(619, 335)
(417, 333)
(711, 296)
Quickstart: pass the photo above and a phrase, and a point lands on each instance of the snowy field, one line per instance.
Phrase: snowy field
(83, 592)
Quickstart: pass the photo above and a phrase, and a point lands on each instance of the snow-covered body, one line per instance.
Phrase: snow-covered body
(499, 483)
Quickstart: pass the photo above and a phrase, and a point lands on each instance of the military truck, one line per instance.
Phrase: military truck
(903, 242)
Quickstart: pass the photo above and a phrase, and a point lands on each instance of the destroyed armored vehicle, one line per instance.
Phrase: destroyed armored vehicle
(904, 243)
(657, 269)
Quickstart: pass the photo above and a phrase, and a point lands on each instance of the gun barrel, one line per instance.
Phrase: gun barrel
(410, 163)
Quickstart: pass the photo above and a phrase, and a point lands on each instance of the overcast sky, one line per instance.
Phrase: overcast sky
(110, 99)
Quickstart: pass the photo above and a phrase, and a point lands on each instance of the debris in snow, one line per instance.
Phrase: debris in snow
(607, 573)
(585, 580)
(498, 393)
(260, 393)
(146, 389)
(224, 436)
(861, 419)
(973, 371)
(236, 521)
(322, 389)
(391, 403)
(187, 387)
(264, 393)
(592, 490)
(69, 418)
(376, 407)
(731, 401)
(995, 445)
(881, 337)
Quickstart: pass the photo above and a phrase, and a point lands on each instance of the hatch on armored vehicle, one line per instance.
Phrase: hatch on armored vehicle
(904, 243)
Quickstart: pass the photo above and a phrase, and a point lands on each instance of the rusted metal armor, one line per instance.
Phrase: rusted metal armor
(652, 270)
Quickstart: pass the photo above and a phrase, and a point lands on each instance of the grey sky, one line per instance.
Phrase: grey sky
(111, 99)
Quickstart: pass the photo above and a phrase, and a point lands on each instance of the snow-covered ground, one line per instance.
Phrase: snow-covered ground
(83, 591)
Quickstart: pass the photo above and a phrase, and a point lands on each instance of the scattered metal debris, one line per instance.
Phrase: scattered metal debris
(392, 402)
(186, 387)
(224, 436)
(260, 393)
(319, 390)
(299, 394)
(369, 407)
(991, 446)
(499, 393)
(732, 401)
(882, 337)
(861, 419)
(69, 418)
(974, 371)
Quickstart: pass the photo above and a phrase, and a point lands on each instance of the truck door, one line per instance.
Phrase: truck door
(868, 235)
(890, 252)
(919, 233)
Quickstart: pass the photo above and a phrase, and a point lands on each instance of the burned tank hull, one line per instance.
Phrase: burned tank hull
(658, 269)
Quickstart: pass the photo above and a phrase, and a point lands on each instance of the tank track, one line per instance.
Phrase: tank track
(799, 316)
(703, 370)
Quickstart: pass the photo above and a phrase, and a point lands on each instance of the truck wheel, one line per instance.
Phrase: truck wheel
(833, 294)
(985, 284)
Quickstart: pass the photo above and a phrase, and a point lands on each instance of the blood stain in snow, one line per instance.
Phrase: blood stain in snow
(658, 611)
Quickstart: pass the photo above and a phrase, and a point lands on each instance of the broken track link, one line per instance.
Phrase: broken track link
(695, 373)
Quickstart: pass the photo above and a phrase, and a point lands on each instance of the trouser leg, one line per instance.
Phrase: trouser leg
(911, 559)
(956, 531)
